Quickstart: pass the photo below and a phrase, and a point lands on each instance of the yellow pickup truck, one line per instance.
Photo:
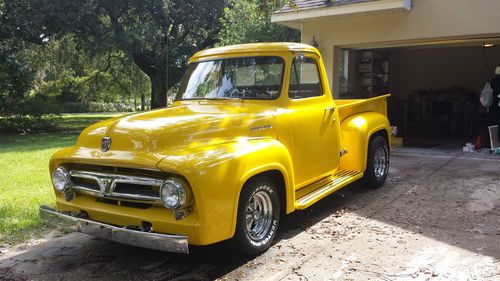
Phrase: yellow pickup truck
(253, 134)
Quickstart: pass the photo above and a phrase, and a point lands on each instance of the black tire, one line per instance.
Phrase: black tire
(377, 169)
(263, 192)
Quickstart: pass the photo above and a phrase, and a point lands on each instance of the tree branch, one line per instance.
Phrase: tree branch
(145, 63)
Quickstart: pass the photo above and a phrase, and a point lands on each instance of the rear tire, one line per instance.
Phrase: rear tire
(258, 216)
(377, 166)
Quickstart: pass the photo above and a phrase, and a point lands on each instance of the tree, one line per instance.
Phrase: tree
(16, 74)
(247, 21)
(157, 35)
(16, 77)
(66, 71)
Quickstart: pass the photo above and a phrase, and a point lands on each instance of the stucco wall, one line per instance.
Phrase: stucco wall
(429, 20)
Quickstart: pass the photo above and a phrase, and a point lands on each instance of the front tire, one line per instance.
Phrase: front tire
(258, 216)
(377, 166)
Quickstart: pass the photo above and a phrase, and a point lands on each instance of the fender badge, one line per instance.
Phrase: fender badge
(260, 128)
(105, 144)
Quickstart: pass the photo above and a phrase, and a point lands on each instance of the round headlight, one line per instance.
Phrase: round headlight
(61, 179)
(173, 194)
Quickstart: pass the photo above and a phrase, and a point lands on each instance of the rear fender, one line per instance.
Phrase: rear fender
(356, 132)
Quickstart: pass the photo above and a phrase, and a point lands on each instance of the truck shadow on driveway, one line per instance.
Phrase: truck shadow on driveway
(452, 200)
(92, 258)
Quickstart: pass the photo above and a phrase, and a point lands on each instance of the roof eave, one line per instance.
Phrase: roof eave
(293, 19)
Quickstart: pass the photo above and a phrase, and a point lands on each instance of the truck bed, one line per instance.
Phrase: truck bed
(350, 107)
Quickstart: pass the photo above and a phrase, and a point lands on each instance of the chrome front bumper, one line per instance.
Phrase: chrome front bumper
(155, 241)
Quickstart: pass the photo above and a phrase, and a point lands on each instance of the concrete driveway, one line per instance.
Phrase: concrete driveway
(437, 218)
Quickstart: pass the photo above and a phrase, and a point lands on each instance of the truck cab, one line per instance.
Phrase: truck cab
(254, 133)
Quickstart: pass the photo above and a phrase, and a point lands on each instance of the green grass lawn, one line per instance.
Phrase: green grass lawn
(26, 182)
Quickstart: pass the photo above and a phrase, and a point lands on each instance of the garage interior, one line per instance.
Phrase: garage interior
(435, 88)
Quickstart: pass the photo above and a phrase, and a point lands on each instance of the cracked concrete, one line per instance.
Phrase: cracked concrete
(437, 218)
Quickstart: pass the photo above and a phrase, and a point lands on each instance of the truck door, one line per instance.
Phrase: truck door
(313, 117)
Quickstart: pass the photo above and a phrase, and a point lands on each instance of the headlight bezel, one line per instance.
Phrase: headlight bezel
(177, 188)
(66, 184)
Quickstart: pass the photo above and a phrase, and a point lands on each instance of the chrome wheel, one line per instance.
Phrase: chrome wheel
(380, 162)
(259, 215)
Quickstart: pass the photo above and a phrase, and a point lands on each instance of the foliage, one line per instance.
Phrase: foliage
(97, 107)
(110, 107)
(16, 76)
(73, 75)
(60, 56)
(247, 21)
(155, 34)
(67, 79)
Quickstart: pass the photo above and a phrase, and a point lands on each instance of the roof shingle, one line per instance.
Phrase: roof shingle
(301, 5)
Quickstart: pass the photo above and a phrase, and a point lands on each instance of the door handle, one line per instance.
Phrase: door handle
(331, 109)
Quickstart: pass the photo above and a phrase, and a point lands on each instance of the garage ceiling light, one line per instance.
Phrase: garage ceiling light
(488, 45)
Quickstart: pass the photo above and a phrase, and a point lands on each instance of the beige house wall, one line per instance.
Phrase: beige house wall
(428, 21)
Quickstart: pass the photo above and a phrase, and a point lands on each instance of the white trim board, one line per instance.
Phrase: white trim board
(371, 7)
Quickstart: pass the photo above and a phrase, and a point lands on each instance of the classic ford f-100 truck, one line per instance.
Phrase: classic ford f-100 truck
(253, 134)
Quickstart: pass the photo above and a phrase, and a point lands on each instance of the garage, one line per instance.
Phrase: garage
(434, 57)
(435, 88)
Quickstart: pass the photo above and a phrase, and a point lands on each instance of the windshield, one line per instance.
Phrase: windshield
(235, 78)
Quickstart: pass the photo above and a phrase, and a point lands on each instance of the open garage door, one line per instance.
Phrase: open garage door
(435, 87)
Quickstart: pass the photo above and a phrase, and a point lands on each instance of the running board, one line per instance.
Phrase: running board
(337, 181)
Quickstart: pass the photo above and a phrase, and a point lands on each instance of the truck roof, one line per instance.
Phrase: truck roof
(255, 48)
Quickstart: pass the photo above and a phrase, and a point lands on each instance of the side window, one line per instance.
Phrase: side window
(305, 81)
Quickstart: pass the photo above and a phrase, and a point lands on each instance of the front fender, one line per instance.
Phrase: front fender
(217, 174)
(356, 132)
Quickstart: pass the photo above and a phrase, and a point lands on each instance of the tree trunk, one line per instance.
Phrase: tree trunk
(159, 89)
(156, 68)
(159, 81)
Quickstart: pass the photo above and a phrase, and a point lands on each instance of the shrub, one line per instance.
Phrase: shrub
(73, 107)
(29, 124)
(38, 105)
(110, 107)
(80, 107)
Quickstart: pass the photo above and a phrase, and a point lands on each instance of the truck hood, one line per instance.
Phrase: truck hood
(181, 127)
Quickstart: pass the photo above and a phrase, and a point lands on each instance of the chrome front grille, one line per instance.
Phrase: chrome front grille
(116, 186)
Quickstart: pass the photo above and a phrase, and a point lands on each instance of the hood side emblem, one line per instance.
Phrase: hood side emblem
(105, 144)
(260, 128)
